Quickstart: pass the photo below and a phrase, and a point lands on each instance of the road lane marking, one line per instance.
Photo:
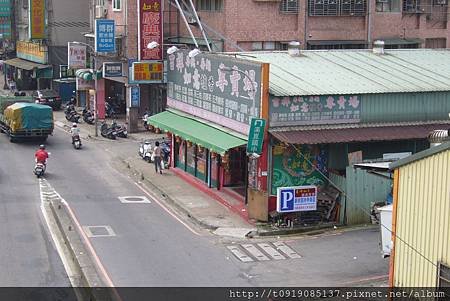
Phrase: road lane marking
(255, 252)
(286, 250)
(166, 209)
(271, 251)
(134, 200)
(239, 254)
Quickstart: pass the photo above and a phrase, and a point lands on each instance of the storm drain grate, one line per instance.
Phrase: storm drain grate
(99, 231)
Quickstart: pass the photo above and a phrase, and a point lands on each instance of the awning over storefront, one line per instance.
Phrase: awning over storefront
(87, 74)
(199, 133)
(24, 64)
(361, 134)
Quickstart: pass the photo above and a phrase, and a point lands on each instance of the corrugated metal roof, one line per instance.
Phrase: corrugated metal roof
(421, 155)
(336, 72)
(363, 134)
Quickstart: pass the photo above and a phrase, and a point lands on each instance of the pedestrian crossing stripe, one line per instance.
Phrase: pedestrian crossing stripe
(263, 252)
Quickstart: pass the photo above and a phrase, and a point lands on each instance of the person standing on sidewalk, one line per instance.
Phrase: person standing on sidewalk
(157, 157)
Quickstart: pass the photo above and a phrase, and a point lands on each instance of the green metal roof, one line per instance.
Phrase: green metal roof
(421, 155)
(333, 72)
(196, 132)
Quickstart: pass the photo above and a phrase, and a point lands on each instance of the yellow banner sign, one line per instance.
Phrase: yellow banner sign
(32, 52)
(37, 19)
(148, 71)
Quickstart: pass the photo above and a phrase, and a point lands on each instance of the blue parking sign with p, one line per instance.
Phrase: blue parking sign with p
(294, 199)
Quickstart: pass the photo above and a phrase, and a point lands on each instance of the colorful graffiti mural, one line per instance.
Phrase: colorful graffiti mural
(292, 166)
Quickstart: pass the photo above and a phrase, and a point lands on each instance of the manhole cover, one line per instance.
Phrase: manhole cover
(134, 200)
(99, 231)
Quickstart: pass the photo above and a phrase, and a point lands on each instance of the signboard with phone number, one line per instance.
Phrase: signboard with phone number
(295, 199)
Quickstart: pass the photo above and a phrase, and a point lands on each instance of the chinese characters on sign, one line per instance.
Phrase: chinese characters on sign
(65, 72)
(150, 29)
(105, 35)
(77, 56)
(256, 136)
(112, 70)
(32, 52)
(224, 90)
(135, 96)
(36, 19)
(294, 199)
(314, 110)
(148, 72)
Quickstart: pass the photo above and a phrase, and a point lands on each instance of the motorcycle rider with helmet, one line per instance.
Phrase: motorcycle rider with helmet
(75, 131)
(41, 155)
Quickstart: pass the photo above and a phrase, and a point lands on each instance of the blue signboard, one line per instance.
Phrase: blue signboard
(300, 198)
(112, 70)
(130, 71)
(105, 35)
(135, 96)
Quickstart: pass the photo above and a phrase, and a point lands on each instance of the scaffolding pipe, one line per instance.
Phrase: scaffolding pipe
(186, 22)
(200, 25)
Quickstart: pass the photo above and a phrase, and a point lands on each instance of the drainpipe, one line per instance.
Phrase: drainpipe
(369, 24)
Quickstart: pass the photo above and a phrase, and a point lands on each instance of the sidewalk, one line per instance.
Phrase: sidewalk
(210, 209)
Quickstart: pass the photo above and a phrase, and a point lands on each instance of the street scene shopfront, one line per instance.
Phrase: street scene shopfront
(319, 131)
(211, 100)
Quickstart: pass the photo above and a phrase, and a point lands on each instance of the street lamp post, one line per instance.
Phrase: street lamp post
(94, 72)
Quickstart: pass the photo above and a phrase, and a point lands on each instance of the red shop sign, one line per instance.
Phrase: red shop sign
(150, 29)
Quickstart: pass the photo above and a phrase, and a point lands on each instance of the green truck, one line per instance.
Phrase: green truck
(22, 119)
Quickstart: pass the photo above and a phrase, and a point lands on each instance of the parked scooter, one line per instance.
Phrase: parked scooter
(146, 150)
(88, 116)
(73, 116)
(110, 110)
(76, 142)
(108, 132)
(121, 130)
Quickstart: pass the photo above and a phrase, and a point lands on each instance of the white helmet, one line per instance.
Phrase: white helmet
(74, 125)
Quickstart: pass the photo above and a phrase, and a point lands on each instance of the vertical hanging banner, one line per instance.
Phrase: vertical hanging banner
(36, 19)
(105, 40)
(150, 29)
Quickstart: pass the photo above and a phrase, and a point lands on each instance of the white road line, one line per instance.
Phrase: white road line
(271, 251)
(239, 254)
(286, 250)
(255, 252)
(166, 209)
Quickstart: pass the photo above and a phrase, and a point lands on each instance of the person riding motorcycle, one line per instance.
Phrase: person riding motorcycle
(75, 131)
(41, 155)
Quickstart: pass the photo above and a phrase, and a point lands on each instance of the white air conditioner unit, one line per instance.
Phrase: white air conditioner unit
(100, 11)
(441, 2)
(191, 20)
(382, 1)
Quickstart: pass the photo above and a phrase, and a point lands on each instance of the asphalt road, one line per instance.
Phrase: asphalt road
(27, 254)
(149, 245)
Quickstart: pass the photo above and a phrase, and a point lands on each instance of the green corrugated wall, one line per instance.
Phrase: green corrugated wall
(400, 107)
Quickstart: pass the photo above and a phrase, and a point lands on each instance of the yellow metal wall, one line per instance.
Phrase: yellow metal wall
(423, 220)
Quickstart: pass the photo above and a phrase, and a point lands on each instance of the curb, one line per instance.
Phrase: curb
(167, 197)
(93, 287)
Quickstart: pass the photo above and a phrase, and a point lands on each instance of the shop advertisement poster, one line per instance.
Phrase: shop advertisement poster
(135, 96)
(105, 39)
(112, 69)
(36, 19)
(296, 199)
(221, 89)
(77, 55)
(285, 111)
(298, 166)
(150, 29)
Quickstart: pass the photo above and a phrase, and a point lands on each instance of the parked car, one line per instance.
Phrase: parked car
(47, 97)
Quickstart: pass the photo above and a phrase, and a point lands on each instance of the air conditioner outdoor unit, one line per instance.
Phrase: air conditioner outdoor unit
(191, 20)
(382, 1)
(441, 2)
(100, 11)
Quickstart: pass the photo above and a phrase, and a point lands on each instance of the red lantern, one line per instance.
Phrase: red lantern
(213, 155)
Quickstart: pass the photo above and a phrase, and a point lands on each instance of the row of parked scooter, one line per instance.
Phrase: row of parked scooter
(73, 116)
(114, 130)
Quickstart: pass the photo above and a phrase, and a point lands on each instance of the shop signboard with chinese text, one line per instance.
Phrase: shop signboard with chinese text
(83, 84)
(112, 69)
(218, 88)
(295, 199)
(256, 136)
(77, 55)
(105, 35)
(306, 110)
(148, 72)
(135, 96)
(150, 29)
(6, 14)
(36, 19)
(32, 52)
(66, 72)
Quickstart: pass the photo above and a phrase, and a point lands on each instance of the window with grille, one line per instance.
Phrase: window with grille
(289, 6)
(209, 5)
(411, 6)
(269, 45)
(337, 7)
(117, 5)
(388, 5)
(444, 275)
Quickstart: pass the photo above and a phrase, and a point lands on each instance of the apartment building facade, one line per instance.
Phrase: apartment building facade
(324, 24)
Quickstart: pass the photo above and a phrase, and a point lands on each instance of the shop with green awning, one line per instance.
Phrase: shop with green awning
(200, 148)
